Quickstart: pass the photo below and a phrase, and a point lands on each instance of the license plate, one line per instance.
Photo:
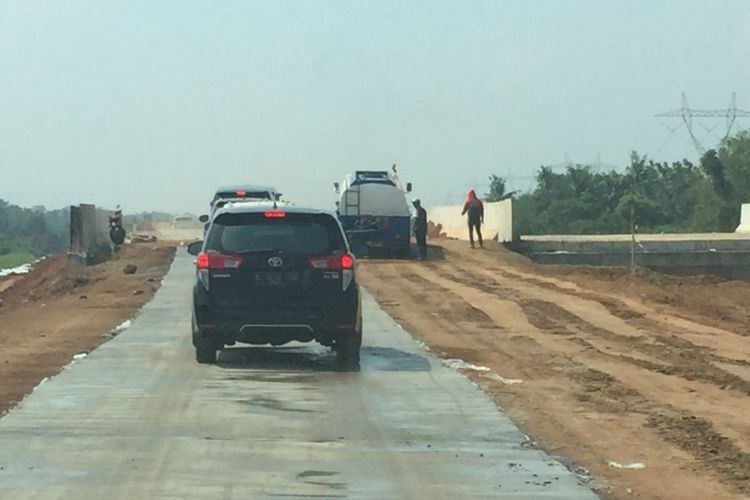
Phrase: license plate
(276, 279)
(375, 244)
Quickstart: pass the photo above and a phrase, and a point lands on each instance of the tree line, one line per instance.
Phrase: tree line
(656, 196)
(27, 233)
(32, 232)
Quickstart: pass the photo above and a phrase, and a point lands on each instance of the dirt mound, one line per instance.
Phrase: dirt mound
(49, 277)
(435, 230)
(56, 311)
(53, 277)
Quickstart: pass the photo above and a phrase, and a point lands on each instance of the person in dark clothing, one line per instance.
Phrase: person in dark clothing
(420, 229)
(475, 210)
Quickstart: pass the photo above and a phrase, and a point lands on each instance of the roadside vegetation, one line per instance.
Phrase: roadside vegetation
(29, 233)
(658, 197)
(13, 253)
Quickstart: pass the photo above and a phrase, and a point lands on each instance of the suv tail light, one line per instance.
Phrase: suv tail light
(210, 260)
(343, 263)
(332, 262)
(347, 262)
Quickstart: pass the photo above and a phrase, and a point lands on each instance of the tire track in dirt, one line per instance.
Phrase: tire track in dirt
(549, 316)
(698, 437)
(689, 362)
(597, 390)
(648, 319)
(666, 310)
(683, 358)
(638, 314)
(556, 353)
(445, 312)
(448, 313)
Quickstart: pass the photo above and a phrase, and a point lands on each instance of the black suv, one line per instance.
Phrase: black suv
(269, 274)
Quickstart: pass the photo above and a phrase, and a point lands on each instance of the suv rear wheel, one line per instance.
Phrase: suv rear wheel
(205, 347)
(205, 354)
(348, 345)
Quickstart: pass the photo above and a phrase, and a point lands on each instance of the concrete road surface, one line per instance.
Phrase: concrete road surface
(138, 418)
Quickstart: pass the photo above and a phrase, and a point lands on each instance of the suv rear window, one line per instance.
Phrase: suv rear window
(306, 234)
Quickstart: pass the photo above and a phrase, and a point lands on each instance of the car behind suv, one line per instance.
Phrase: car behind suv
(226, 194)
(236, 193)
(271, 275)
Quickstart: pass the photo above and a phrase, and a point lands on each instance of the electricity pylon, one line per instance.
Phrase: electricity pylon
(687, 114)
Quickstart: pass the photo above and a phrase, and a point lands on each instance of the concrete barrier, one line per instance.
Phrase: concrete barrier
(498, 221)
(744, 226)
(89, 235)
(722, 254)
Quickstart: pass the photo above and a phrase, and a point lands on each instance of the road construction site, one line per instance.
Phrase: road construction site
(586, 381)
(138, 418)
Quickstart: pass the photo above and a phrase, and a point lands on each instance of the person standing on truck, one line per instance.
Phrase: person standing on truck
(475, 210)
(420, 229)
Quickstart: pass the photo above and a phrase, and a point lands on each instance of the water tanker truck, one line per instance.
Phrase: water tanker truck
(374, 212)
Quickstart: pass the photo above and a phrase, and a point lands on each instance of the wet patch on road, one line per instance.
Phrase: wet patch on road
(389, 359)
(272, 404)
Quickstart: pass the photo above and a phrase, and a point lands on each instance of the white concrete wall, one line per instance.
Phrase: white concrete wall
(744, 226)
(498, 221)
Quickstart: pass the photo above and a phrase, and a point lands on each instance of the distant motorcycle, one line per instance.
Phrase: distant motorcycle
(116, 231)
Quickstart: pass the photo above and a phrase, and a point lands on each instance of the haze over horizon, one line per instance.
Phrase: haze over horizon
(152, 105)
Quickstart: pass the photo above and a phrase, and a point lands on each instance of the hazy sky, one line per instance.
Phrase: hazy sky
(152, 104)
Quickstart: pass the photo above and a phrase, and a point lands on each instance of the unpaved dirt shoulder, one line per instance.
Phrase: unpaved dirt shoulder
(55, 312)
(606, 376)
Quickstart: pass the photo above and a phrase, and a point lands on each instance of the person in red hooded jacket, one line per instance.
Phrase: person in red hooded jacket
(475, 210)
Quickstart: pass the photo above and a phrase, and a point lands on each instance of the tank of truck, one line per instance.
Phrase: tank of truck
(374, 212)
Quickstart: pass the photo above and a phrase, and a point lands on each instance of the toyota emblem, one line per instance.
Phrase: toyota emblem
(275, 261)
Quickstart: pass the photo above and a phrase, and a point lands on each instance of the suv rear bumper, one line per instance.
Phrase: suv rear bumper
(279, 326)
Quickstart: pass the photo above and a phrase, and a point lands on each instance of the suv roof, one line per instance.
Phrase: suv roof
(258, 206)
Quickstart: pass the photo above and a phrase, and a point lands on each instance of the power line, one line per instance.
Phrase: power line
(686, 113)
